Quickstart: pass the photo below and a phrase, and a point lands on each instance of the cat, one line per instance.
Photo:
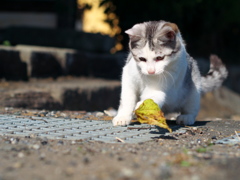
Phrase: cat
(158, 67)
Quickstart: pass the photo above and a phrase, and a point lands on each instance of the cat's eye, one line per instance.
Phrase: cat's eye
(142, 59)
(159, 58)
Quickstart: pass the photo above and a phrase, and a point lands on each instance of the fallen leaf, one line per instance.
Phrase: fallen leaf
(150, 113)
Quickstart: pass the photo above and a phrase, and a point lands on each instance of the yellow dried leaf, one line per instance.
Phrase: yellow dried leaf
(150, 113)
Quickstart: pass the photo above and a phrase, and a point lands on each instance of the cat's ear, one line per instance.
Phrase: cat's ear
(135, 34)
(168, 32)
(136, 31)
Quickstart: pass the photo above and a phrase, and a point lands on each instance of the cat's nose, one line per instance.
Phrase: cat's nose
(152, 71)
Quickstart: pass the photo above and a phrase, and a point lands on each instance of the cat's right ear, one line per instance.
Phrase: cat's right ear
(168, 32)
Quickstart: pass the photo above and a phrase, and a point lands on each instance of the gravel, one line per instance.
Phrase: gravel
(188, 153)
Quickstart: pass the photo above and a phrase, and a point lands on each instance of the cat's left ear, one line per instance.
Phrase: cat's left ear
(168, 32)
(135, 31)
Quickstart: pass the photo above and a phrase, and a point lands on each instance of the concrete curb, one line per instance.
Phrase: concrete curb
(42, 62)
(64, 93)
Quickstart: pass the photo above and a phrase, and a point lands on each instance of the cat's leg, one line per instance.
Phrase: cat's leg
(190, 109)
(125, 110)
(156, 95)
(128, 101)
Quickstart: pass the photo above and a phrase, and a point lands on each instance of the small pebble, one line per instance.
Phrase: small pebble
(21, 155)
(14, 141)
(199, 141)
(43, 113)
(120, 158)
(63, 114)
(36, 146)
(128, 173)
(69, 171)
(17, 113)
(73, 142)
(86, 160)
(192, 142)
(44, 142)
(17, 165)
(99, 114)
(42, 156)
(214, 137)
(111, 112)
(194, 128)
(33, 135)
(8, 108)
(60, 142)
(208, 156)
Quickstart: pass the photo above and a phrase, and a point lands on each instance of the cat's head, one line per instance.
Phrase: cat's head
(154, 45)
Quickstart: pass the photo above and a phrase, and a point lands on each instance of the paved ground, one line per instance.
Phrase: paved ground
(194, 152)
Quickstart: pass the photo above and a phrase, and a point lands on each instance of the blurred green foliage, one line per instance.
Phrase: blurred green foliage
(6, 43)
(208, 26)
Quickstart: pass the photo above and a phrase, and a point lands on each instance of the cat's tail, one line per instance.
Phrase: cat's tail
(215, 76)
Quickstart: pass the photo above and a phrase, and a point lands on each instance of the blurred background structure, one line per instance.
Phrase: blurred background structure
(208, 26)
(85, 38)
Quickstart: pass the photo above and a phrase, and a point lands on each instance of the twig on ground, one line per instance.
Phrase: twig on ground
(130, 128)
(237, 135)
(38, 119)
(20, 116)
(120, 140)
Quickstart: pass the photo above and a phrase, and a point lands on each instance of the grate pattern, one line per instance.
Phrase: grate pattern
(76, 129)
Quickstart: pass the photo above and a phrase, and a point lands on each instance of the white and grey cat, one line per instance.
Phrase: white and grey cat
(158, 67)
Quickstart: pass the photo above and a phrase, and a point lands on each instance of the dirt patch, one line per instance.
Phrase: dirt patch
(192, 154)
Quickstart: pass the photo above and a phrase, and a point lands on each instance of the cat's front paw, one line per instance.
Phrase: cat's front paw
(138, 104)
(186, 119)
(121, 120)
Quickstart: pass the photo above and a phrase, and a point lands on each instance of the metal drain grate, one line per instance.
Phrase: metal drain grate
(76, 129)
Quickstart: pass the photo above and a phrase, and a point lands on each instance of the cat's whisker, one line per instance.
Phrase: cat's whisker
(162, 76)
(171, 77)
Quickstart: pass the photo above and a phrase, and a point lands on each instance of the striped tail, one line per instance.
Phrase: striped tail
(215, 76)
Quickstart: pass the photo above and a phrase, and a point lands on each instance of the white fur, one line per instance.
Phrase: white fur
(165, 86)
